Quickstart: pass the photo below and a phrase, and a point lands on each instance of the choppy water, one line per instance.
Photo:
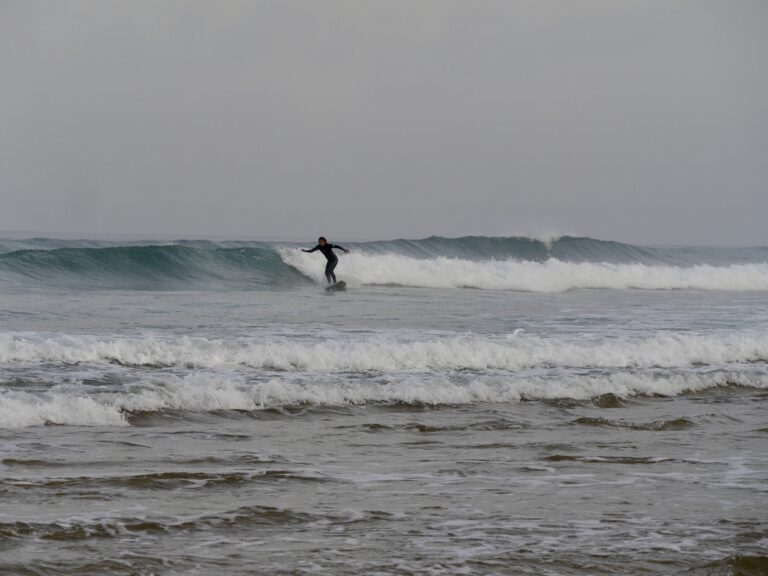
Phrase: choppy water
(203, 408)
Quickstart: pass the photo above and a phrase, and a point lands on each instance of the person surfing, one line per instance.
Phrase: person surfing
(327, 250)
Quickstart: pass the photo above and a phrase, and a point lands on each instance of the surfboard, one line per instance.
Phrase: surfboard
(338, 287)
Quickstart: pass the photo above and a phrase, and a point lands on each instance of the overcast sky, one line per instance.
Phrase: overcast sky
(641, 121)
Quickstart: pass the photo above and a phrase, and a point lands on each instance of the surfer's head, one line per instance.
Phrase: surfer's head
(322, 241)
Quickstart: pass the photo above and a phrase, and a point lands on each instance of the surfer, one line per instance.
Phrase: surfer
(327, 250)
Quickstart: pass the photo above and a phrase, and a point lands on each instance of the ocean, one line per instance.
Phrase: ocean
(469, 405)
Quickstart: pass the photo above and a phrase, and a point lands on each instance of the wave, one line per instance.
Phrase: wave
(381, 354)
(149, 267)
(513, 263)
(108, 381)
(85, 527)
(564, 248)
(199, 392)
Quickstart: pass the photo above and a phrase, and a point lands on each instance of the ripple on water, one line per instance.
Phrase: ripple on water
(655, 426)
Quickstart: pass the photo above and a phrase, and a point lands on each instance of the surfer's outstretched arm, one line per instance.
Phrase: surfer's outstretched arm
(313, 249)
(340, 248)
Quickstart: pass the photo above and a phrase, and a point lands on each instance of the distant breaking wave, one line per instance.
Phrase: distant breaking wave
(494, 263)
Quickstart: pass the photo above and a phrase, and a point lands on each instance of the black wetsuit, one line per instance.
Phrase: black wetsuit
(327, 251)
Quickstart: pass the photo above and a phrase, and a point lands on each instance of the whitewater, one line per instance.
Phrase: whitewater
(387, 352)
(549, 276)
(484, 405)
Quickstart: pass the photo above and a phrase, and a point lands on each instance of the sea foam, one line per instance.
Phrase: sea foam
(551, 275)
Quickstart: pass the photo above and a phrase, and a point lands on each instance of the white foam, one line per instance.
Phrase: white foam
(550, 276)
(21, 409)
(383, 353)
(204, 392)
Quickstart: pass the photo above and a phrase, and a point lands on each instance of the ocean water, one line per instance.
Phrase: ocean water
(469, 406)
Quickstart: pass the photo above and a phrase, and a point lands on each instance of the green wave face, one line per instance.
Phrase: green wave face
(150, 267)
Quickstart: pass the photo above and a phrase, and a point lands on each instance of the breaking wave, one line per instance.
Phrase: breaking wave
(378, 354)
(111, 380)
(513, 263)
(79, 405)
(549, 276)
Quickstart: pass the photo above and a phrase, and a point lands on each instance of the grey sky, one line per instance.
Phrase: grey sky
(640, 121)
